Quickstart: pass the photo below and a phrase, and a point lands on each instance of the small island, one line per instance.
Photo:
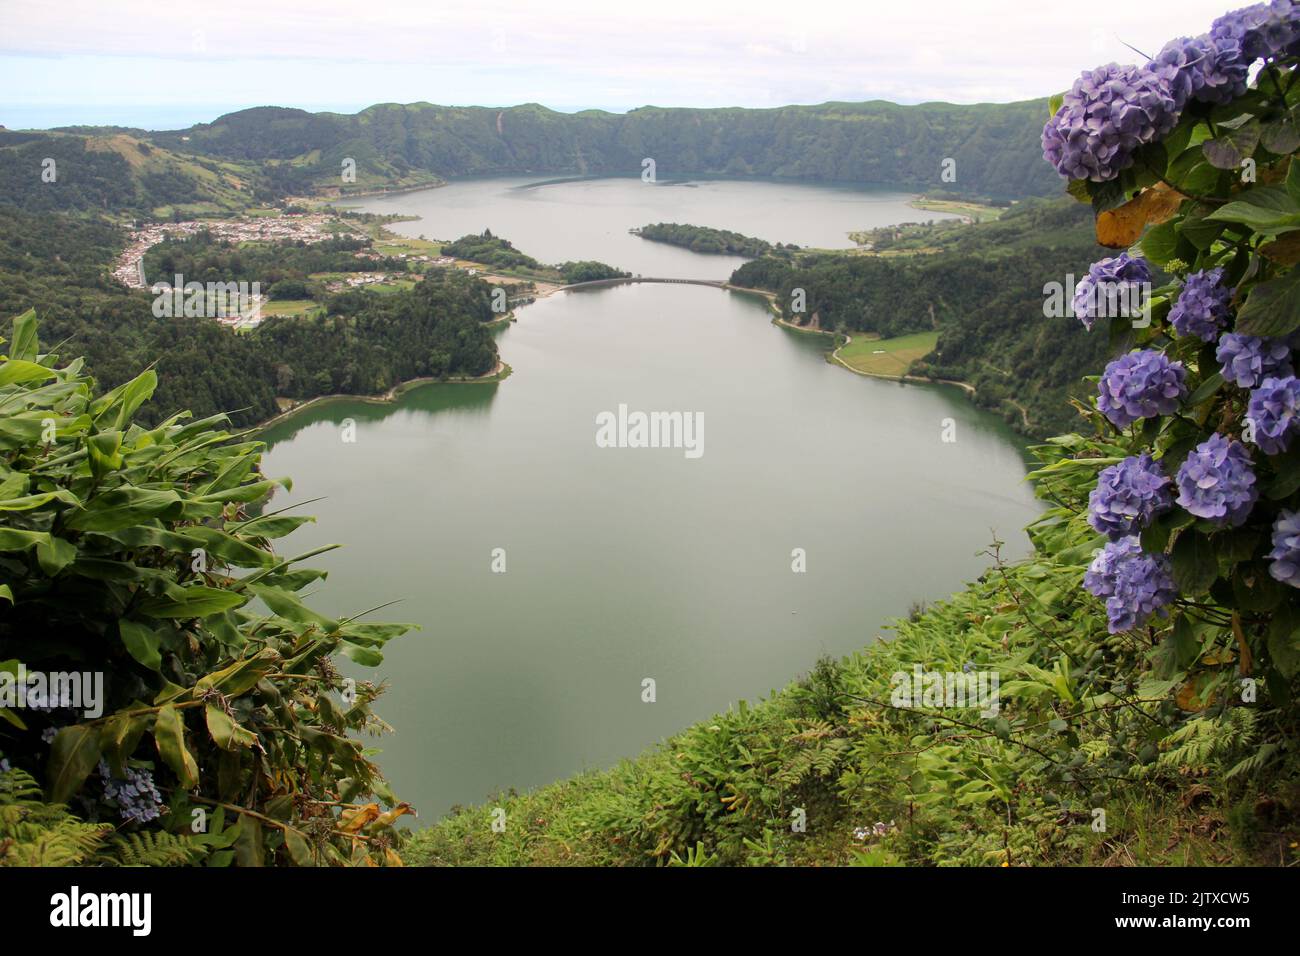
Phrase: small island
(711, 241)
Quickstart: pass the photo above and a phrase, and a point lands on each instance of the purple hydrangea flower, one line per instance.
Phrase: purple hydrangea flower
(1135, 584)
(1262, 30)
(1106, 116)
(137, 798)
(1113, 288)
(1285, 556)
(1248, 360)
(1128, 495)
(1206, 68)
(1202, 306)
(1272, 410)
(1140, 385)
(1217, 481)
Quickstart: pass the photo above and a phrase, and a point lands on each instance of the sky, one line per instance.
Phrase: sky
(165, 66)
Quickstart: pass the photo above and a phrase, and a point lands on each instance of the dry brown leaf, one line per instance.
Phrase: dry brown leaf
(1284, 251)
(1119, 228)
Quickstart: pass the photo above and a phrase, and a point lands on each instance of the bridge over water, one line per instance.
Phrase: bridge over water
(598, 283)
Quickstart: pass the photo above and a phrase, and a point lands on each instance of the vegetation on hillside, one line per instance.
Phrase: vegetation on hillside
(206, 721)
(116, 173)
(364, 343)
(492, 251)
(980, 287)
(993, 145)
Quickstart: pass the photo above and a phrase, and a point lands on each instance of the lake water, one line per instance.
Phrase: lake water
(590, 218)
(624, 564)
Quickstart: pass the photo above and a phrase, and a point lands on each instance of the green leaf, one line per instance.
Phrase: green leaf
(123, 507)
(1266, 209)
(103, 449)
(248, 845)
(1280, 136)
(242, 675)
(141, 642)
(25, 346)
(365, 656)
(1207, 389)
(291, 609)
(169, 734)
(120, 737)
(1286, 467)
(1254, 588)
(134, 394)
(1185, 645)
(227, 734)
(1272, 309)
(73, 755)
(31, 502)
(15, 371)
(298, 847)
(1160, 244)
(1228, 151)
(1194, 563)
(274, 526)
(1284, 641)
(55, 554)
(199, 601)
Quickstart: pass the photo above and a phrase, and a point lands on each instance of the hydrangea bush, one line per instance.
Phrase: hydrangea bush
(1192, 477)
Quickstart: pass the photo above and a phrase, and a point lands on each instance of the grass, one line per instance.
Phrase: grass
(890, 358)
(976, 211)
(390, 245)
(288, 307)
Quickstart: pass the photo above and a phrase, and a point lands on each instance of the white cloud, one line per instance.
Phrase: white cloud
(568, 54)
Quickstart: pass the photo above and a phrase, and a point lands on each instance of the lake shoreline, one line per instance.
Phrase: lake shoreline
(498, 374)
(833, 355)
(503, 370)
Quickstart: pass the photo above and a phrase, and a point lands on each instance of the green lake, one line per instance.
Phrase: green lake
(626, 564)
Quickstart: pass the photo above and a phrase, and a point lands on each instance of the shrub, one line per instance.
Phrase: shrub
(141, 558)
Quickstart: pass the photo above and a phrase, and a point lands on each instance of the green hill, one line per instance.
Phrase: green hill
(117, 172)
(994, 145)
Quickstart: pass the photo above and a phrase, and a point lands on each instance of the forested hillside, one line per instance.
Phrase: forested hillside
(367, 344)
(981, 286)
(993, 145)
(116, 173)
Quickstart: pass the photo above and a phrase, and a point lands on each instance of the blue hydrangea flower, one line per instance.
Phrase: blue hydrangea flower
(1206, 68)
(136, 798)
(1135, 584)
(1128, 495)
(1272, 409)
(1217, 481)
(1140, 385)
(1202, 306)
(1106, 116)
(1285, 557)
(1248, 360)
(1113, 288)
